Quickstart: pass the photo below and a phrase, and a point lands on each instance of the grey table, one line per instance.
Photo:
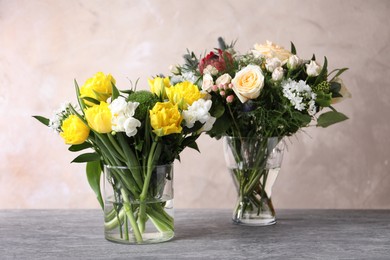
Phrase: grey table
(207, 234)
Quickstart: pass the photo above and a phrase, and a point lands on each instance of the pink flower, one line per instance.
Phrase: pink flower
(220, 61)
(230, 99)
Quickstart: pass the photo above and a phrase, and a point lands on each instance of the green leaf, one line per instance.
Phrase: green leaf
(339, 72)
(92, 100)
(293, 50)
(323, 100)
(115, 92)
(79, 147)
(335, 87)
(79, 100)
(303, 119)
(43, 120)
(86, 157)
(94, 171)
(330, 118)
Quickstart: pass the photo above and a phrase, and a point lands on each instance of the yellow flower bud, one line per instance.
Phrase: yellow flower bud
(184, 94)
(98, 87)
(165, 119)
(74, 131)
(99, 118)
(159, 85)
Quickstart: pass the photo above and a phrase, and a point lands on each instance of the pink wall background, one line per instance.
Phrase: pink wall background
(44, 45)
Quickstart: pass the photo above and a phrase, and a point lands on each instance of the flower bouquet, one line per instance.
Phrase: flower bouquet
(133, 136)
(257, 99)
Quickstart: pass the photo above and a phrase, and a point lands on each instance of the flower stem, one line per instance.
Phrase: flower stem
(130, 214)
(142, 206)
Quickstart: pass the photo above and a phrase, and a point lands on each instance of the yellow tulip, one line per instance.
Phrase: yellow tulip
(99, 118)
(184, 94)
(165, 119)
(74, 131)
(98, 87)
(159, 85)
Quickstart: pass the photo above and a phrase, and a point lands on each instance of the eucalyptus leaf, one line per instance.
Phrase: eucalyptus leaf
(94, 171)
(330, 118)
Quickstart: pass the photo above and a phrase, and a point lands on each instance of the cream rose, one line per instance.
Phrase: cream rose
(271, 50)
(223, 79)
(313, 69)
(207, 82)
(248, 83)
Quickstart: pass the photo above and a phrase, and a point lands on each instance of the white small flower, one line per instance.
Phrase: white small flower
(300, 95)
(293, 62)
(277, 74)
(199, 111)
(189, 76)
(122, 116)
(59, 115)
(210, 70)
(223, 79)
(272, 63)
(313, 69)
(207, 82)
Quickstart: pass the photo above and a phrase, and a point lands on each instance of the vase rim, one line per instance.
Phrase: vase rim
(126, 167)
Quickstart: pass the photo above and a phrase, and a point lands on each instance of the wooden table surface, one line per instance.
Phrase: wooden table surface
(207, 234)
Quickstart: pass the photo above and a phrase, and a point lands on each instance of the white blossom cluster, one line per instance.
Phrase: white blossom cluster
(59, 115)
(199, 111)
(186, 76)
(122, 116)
(300, 95)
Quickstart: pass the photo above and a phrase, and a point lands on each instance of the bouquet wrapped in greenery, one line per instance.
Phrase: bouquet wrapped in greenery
(139, 130)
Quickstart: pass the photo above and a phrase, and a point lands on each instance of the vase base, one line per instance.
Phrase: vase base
(150, 238)
(255, 222)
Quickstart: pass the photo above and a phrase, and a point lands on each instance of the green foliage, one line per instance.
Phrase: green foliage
(94, 170)
(330, 118)
(43, 120)
(86, 157)
(146, 101)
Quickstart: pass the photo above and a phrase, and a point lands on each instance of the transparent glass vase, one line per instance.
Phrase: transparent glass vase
(138, 212)
(254, 164)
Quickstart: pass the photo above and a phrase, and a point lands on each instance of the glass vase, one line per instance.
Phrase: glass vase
(254, 164)
(138, 212)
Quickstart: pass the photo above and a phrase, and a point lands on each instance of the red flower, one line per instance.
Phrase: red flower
(221, 61)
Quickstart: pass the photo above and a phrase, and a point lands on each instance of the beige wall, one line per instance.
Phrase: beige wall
(44, 45)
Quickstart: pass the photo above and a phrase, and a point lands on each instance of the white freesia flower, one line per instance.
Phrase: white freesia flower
(313, 69)
(293, 62)
(207, 82)
(223, 79)
(277, 74)
(300, 95)
(199, 111)
(122, 116)
(272, 63)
